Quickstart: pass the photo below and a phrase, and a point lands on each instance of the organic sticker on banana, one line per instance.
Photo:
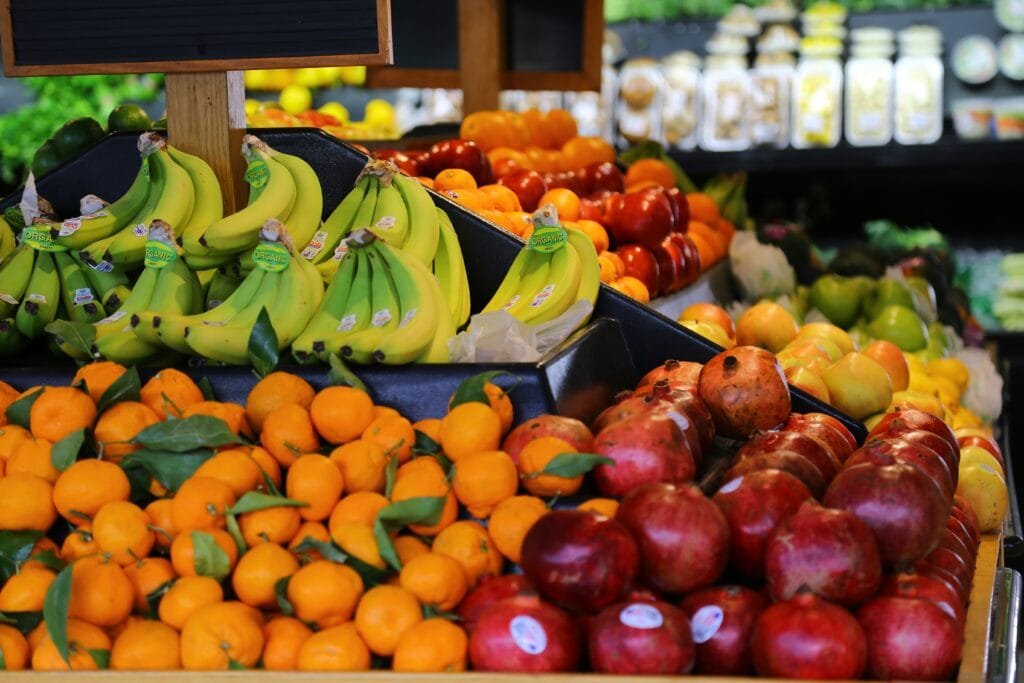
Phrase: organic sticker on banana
(40, 239)
(257, 174)
(271, 256)
(159, 254)
(548, 238)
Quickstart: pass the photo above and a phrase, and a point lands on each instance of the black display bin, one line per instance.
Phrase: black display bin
(108, 167)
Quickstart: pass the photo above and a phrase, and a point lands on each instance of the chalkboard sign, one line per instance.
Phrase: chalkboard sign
(42, 37)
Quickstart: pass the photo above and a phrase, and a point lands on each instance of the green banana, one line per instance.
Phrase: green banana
(39, 306)
(424, 229)
(558, 292)
(359, 346)
(8, 242)
(420, 297)
(209, 201)
(95, 255)
(241, 230)
(111, 287)
(15, 273)
(590, 269)
(303, 220)
(363, 217)
(355, 316)
(391, 218)
(309, 344)
(450, 270)
(80, 301)
(321, 246)
(12, 341)
(290, 321)
(221, 287)
(137, 300)
(82, 231)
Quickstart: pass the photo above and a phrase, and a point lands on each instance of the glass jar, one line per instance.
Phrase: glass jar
(726, 94)
(638, 112)
(681, 108)
(771, 83)
(869, 76)
(918, 93)
(817, 94)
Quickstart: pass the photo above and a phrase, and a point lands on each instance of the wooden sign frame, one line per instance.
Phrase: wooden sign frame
(383, 55)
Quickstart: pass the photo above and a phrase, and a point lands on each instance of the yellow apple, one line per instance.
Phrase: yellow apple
(766, 325)
(809, 381)
(815, 365)
(919, 401)
(976, 455)
(858, 385)
(711, 332)
(836, 335)
(890, 357)
(985, 491)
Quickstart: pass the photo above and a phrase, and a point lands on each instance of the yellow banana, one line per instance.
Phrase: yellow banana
(82, 231)
(309, 345)
(424, 229)
(419, 298)
(209, 201)
(321, 246)
(450, 270)
(590, 273)
(390, 220)
(38, 307)
(303, 220)
(558, 292)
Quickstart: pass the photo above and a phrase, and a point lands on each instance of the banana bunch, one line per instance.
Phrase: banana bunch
(542, 284)
(288, 287)
(383, 305)
(8, 242)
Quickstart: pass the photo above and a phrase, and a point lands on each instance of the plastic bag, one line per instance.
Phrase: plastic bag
(497, 337)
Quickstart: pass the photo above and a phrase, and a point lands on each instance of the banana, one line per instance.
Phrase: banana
(177, 292)
(438, 352)
(363, 217)
(558, 291)
(138, 300)
(82, 231)
(355, 316)
(12, 341)
(173, 206)
(290, 321)
(590, 273)
(110, 287)
(321, 246)
(424, 228)
(241, 230)
(209, 201)
(524, 277)
(420, 298)
(221, 287)
(359, 346)
(15, 273)
(208, 260)
(95, 254)
(38, 308)
(303, 220)
(390, 220)
(309, 344)
(80, 300)
(7, 239)
(450, 270)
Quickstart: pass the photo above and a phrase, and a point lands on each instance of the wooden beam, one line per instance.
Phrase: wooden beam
(481, 53)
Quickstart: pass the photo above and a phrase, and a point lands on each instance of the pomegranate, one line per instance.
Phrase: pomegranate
(950, 561)
(944, 575)
(901, 504)
(831, 552)
(809, 447)
(683, 536)
(826, 429)
(953, 542)
(490, 590)
(928, 440)
(957, 526)
(675, 371)
(890, 451)
(807, 637)
(566, 428)
(685, 399)
(904, 420)
(911, 584)
(660, 400)
(788, 461)
(910, 639)
(966, 514)
(645, 448)
(754, 505)
(524, 635)
(745, 389)
(579, 559)
(722, 620)
(641, 638)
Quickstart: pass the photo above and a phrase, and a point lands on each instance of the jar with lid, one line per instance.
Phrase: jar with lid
(817, 94)
(918, 78)
(726, 94)
(641, 92)
(771, 83)
(869, 94)
(681, 109)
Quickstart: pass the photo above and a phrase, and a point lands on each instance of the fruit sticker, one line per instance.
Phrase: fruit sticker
(641, 616)
(528, 635)
(705, 623)
(84, 295)
(548, 238)
(381, 318)
(140, 230)
(257, 174)
(542, 295)
(73, 225)
(271, 256)
(102, 267)
(731, 486)
(340, 251)
(386, 222)
(159, 254)
(347, 323)
(40, 239)
(315, 246)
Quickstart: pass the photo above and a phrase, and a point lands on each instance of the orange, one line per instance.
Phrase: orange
(641, 185)
(409, 547)
(14, 648)
(483, 480)
(454, 179)
(58, 411)
(359, 507)
(26, 503)
(653, 170)
(310, 530)
(288, 433)
(334, 649)
(426, 182)
(79, 543)
(633, 288)
(36, 635)
(615, 264)
(596, 232)
(82, 637)
(510, 522)
(488, 129)
(433, 645)
(270, 525)
(394, 434)
(82, 489)
(603, 506)
(272, 392)
(580, 152)
(559, 127)
(159, 512)
(34, 457)
(504, 198)
(259, 570)
(201, 503)
(101, 594)
(341, 414)
(424, 478)
(183, 551)
(358, 541)
(120, 423)
(383, 615)
(565, 201)
(534, 458)
(385, 411)
(170, 391)
(474, 200)
(521, 223)
(470, 428)
(283, 637)
(98, 377)
(267, 464)
(216, 635)
(146, 646)
(121, 529)
(435, 580)
(715, 240)
(186, 596)
(317, 481)
(147, 575)
(12, 436)
(232, 414)
(470, 545)
(727, 230)
(235, 468)
(26, 590)
(703, 208)
(431, 427)
(707, 249)
(709, 313)
(325, 593)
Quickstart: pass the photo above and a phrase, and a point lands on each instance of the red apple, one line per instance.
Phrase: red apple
(403, 161)
(910, 584)
(592, 210)
(641, 638)
(643, 217)
(490, 591)
(888, 451)
(529, 186)
(691, 257)
(911, 418)
(645, 448)
(807, 637)
(670, 266)
(830, 552)
(566, 428)
(754, 505)
(505, 166)
(745, 390)
(722, 621)
(665, 519)
(641, 263)
(462, 154)
(682, 209)
(910, 639)
(524, 635)
(809, 447)
(840, 443)
(788, 461)
(579, 559)
(603, 176)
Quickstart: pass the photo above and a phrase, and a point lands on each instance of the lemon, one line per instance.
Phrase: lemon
(923, 384)
(296, 99)
(964, 417)
(337, 110)
(353, 75)
(379, 114)
(257, 79)
(915, 364)
(251, 106)
(952, 369)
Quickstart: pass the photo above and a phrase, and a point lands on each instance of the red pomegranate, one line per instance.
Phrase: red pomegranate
(745, 389)
(911, 584)
(674, 371)
(722, 621)
(825, 428)
(524, 635)
(809, 447)
(910, 639)
(490, 591)
(645, 448)
(880, 452)
(909, 419)
(641, 638)
(788, 461)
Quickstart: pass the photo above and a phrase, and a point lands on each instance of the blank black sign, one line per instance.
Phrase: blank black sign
(425, 33)
(544, 35)
(112, 31)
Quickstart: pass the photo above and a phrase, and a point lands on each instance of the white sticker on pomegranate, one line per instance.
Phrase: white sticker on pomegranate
(528, 635)
(705, 623)
(639, 615)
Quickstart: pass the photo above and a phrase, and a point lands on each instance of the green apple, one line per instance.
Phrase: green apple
(887, 292)
(801, 299)
(838, 298)
(901, 326)
(858, 385)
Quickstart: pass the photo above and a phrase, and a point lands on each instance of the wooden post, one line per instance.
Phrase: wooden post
(481, 53)
(206, 117)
